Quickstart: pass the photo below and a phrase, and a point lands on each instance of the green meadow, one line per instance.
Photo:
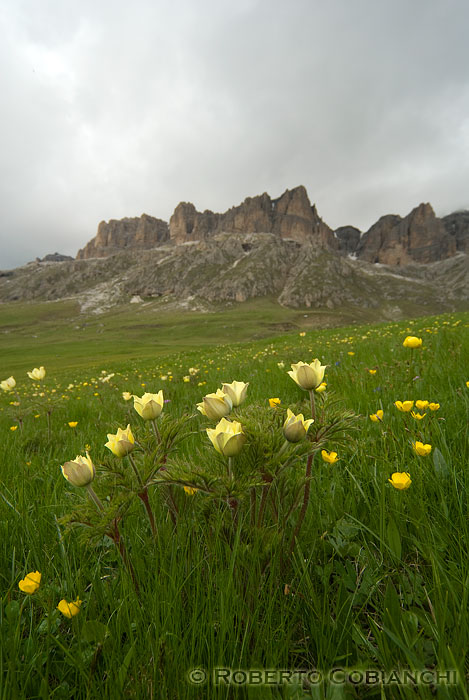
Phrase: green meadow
(330, 567)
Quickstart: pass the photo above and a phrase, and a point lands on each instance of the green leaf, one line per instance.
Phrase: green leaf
(394, 539)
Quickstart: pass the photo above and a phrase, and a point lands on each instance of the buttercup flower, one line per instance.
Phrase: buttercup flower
(13, 427)
(121, 443)
(412, 342)
(69, 609)
(295, 427)
(37, 374)
(149, 406)
(404, 406)
(236, 391)
(329, 457)
(273, 403)
(467, 384)
(227, 437)
(400, 480)
(215, 406)
(126, 395)
(421, 449)
(79, 472)
(372, 371)
(8, 384)
(433, 406)
(421, 405)
(307, 376)
(378, 416)
(322, 387)
(73, 423)
(418, 416)
(190, 490)
(30, 583)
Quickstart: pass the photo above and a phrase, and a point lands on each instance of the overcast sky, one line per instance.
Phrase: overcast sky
(112, 108)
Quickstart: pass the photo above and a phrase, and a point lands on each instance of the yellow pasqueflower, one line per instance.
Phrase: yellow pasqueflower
(8, 384)
(126, 395)
(421, 405)
(121, 443)
(295, 427)
(30, 583)
(149, 406)
(307, 376)
(412, 342)
(433, 406)
(80, 471)
(227, 437)
(378, 416)
(400, 480)
(404, 406)
(421, 449)
(73, 423)
(418, 416)
(37, 374)
(69, 609)
(322, 387)
(186, 378)
(273, 403)
(216, 405)
(329, 457)
(236, 391)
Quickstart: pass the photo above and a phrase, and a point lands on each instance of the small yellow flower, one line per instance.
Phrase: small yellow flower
(418, 416)
(421, 449)
(302, 334)
(186, 378)
(126, 395)
(37, 374)
(404, 406)
(400, 480)
(69, 609)
(467, 384)
(351, 353)
(322, 387)
(73, 423)
(412, 342)
(372, 371)
(190, 490)
(273, 403)
(30, 583)
(281, 365)
(433, 406)
(121, 443)
(378, 416)
(13, 427)
(329, 457)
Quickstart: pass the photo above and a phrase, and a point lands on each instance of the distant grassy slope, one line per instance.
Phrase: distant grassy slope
(57, 335)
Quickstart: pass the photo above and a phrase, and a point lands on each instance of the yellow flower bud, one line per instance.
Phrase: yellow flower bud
(149, 406)
(69, 609)
(30, 583)
(236, 391)
(400, 480)
(329, 457)
(295, 427)
(79, 472)
(412, 342)
(421, 449)
(227, 437)
(121, 443)
(215, 406)
(307, 376)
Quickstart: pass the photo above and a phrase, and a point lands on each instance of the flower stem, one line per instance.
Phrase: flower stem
(143, 495)
(94, 497)
(313, 406)
(155, 430)
(136, 472)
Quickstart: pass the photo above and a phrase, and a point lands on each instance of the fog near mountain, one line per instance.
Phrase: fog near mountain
(113, 109)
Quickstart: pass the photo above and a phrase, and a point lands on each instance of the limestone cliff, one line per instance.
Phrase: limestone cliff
(114, 235)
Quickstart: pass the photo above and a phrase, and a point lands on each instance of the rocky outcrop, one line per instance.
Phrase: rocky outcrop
(419, 237)
(54, 257)
(288, 216)
(457, 226)
(348, 238)
(114, 235)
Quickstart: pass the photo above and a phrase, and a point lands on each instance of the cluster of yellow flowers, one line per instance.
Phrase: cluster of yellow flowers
(30, 584)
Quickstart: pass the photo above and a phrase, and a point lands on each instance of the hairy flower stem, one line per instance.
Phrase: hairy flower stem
(94, 497)
(155, 430)
(304, 507)
(136, 472)
(313, 406)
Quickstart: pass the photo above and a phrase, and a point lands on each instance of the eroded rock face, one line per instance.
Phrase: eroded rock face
(457, 225)
(289, 216)
(419, 237)
(114, 235)
(348, 238)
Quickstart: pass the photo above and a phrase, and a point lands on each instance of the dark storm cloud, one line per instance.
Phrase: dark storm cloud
(111, 109)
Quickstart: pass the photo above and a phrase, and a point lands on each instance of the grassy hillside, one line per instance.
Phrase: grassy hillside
(259, 563)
